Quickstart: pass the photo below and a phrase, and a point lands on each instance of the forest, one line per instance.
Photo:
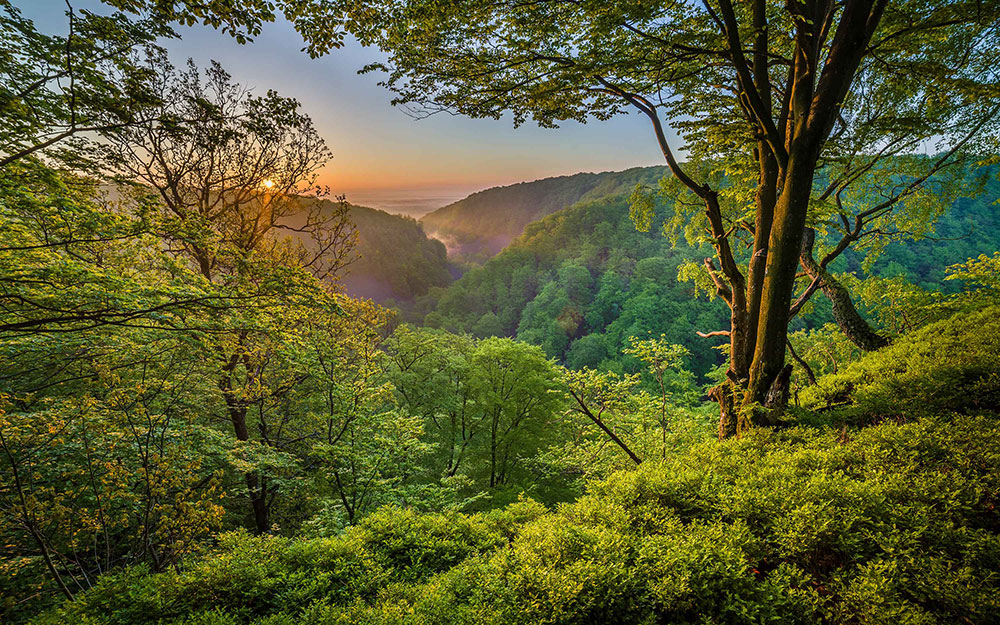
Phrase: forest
(758, 382)
(581, 282)
(480, 226)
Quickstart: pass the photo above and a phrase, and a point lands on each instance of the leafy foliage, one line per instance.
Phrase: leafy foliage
(800, 526)
(947, 365)
(56, 88)
(488, 408)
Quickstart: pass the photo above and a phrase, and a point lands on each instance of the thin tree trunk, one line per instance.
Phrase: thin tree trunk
(847, 317)
(493, 451)
(600, 423)
(256, 493)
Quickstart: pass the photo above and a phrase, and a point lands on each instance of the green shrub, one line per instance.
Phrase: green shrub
(949, 365)
(895, 523)
(253, 576)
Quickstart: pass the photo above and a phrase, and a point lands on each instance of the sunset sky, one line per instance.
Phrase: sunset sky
(381, 155)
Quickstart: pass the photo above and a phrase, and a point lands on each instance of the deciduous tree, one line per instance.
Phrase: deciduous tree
(796, 116)
(229, 170)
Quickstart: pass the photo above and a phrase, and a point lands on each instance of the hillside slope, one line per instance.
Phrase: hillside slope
(579, 283)
(482, 224)
(395, 260)
(894, 522)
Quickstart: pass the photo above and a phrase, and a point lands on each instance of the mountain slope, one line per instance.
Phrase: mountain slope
(395, 259)
(579, 283)
(482, 224)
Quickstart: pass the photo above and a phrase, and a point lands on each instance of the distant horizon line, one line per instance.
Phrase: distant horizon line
(473, 187)
(419, 200)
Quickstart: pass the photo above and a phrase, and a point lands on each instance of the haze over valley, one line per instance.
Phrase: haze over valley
(412, 202)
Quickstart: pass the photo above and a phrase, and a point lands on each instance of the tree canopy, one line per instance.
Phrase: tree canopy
(794, 117)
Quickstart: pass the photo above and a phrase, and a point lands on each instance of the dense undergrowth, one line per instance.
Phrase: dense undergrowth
(948, 365)
(890, 518)
(894, 523)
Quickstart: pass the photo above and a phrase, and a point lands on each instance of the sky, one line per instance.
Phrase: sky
(381, 156)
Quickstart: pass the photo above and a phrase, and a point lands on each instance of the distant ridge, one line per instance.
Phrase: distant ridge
(481, 225)
(394, 261)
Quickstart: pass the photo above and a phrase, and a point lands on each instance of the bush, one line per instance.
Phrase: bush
(894, 523)
(950, 365)
(248, 577)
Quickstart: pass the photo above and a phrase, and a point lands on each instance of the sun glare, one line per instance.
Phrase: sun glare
(268, 184)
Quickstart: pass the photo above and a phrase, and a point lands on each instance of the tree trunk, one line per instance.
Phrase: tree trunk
(724, 394)
(784, 247)
(261, 517)
(851, 323)
(493, 450)
(585, 410)
(255, 490)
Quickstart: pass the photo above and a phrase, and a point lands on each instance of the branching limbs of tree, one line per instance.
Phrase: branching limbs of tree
(58, 87)
(232, 172)
(583, 408)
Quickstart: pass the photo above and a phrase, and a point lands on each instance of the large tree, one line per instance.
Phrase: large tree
(229, 170)
(92, 78)
(59, 91)
(802, 124)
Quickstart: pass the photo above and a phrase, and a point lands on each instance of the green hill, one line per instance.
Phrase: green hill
(395, 259)
(886, 523)
(579, 283)
(482, 224)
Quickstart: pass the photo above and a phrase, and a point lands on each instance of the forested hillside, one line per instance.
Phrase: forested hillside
(397, 261)
(393, 259)
(582, 281)
(479, 226)
(764, 388)
(579, 283)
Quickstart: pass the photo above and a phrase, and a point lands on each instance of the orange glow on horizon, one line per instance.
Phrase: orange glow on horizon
(341, 183)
